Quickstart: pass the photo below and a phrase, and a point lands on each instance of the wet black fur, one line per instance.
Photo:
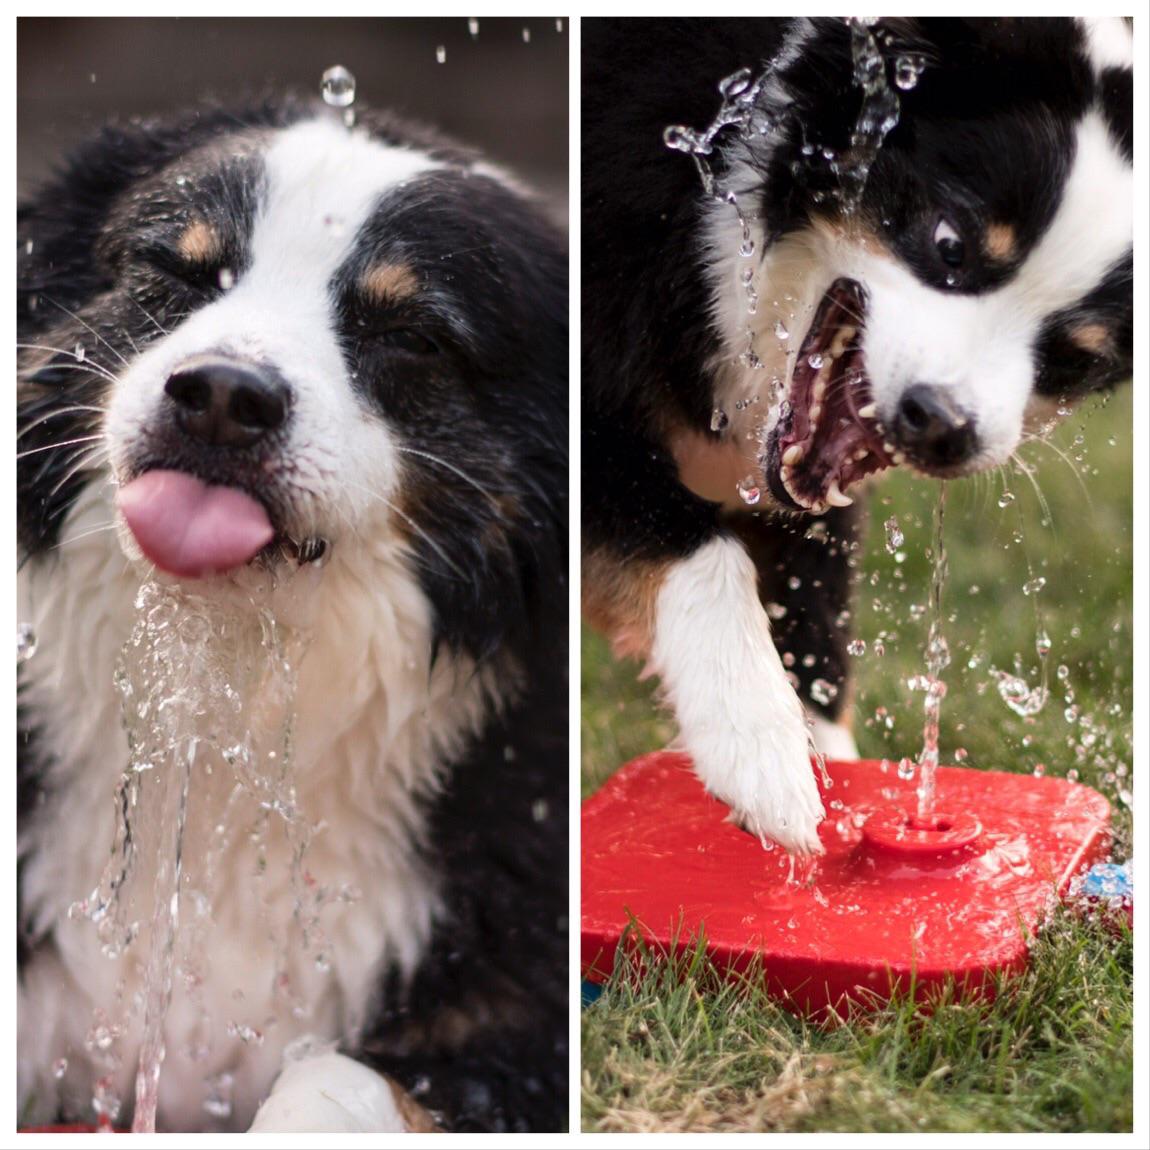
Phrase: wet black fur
(491, 397)
(985, 133)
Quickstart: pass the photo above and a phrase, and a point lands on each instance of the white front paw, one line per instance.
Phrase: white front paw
(739, 716)
(332, 1094)
(763, 772)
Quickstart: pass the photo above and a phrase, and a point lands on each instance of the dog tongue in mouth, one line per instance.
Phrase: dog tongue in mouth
(191, 529)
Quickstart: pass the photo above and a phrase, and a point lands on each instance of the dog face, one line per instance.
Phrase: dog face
(943, 278)
(289, 339)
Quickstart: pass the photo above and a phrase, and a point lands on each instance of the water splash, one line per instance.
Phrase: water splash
(207, 693)
(877, 116)
(739, 92)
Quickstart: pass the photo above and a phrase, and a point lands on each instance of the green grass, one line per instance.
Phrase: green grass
(681, 1051)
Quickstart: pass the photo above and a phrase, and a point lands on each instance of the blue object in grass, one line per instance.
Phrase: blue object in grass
(591, 991)
(1109, 880)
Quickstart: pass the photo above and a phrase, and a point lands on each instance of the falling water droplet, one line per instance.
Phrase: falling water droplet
(441, 54)
(559, 26)
(1006, 499)
(894, 535)
(227, 279)
(1042, 643)
(338, 87)
(748, 490)
(823, 692)
(781, 331)
(856, 647)
(815, 360)
(1033, 586)
(59, 1068)
(907, 70)
(526, 35)
(25, 642)
(719, 419)
(473, 26)
(906, 769)
(80, 353)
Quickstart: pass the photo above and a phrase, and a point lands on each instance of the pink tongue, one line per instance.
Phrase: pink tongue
(190, 529)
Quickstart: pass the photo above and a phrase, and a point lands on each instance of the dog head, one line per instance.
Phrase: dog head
(283, 340)
(944, 216)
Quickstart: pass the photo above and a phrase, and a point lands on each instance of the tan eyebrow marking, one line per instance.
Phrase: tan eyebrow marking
(1092, 337)
(387, 283)
(1000, 242)
(200, 243)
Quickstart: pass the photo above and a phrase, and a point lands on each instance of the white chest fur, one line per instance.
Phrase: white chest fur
(375, 721)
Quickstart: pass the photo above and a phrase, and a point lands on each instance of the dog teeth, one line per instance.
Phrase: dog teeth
(819, 389)
(835, 497)
(897, 458)
(785, 474)
(868, 412)
(888, 448)
(842, 338)
(793, 454)
(861, 454)
(816, 411)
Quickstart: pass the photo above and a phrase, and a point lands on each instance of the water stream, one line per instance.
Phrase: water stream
(937, 660)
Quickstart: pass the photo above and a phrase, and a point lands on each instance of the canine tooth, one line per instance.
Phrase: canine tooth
(835, 497)
(861, 454)
(897, 458)
(868, 412)
(793, 454)
(842, 338)
(785, 473)
(888, 448)
(816, 411)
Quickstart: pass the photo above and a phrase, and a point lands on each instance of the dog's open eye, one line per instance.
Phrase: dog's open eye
(948, 243)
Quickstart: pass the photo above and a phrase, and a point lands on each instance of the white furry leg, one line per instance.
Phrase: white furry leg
(332, 1094)
(739, 717)
(833, 739)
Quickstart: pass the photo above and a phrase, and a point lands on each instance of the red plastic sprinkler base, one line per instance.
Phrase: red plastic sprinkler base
(891, 904)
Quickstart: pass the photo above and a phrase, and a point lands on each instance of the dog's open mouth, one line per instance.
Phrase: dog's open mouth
(827, 436)
(192, 529)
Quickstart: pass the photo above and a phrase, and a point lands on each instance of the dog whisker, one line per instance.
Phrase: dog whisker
(56, 446)
(88, 327)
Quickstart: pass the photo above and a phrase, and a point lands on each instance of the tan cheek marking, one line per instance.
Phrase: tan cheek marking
(200, 244)
(1091, 337)
(387, 283)
(1000, 242)
(619, 599)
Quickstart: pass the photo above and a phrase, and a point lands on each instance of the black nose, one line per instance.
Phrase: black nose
(932, 429)
(226, 403)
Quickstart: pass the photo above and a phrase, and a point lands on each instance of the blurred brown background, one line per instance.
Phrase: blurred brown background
(504, 89)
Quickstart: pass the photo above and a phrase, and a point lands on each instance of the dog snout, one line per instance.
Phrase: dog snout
(932, 429)
(228, 403)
